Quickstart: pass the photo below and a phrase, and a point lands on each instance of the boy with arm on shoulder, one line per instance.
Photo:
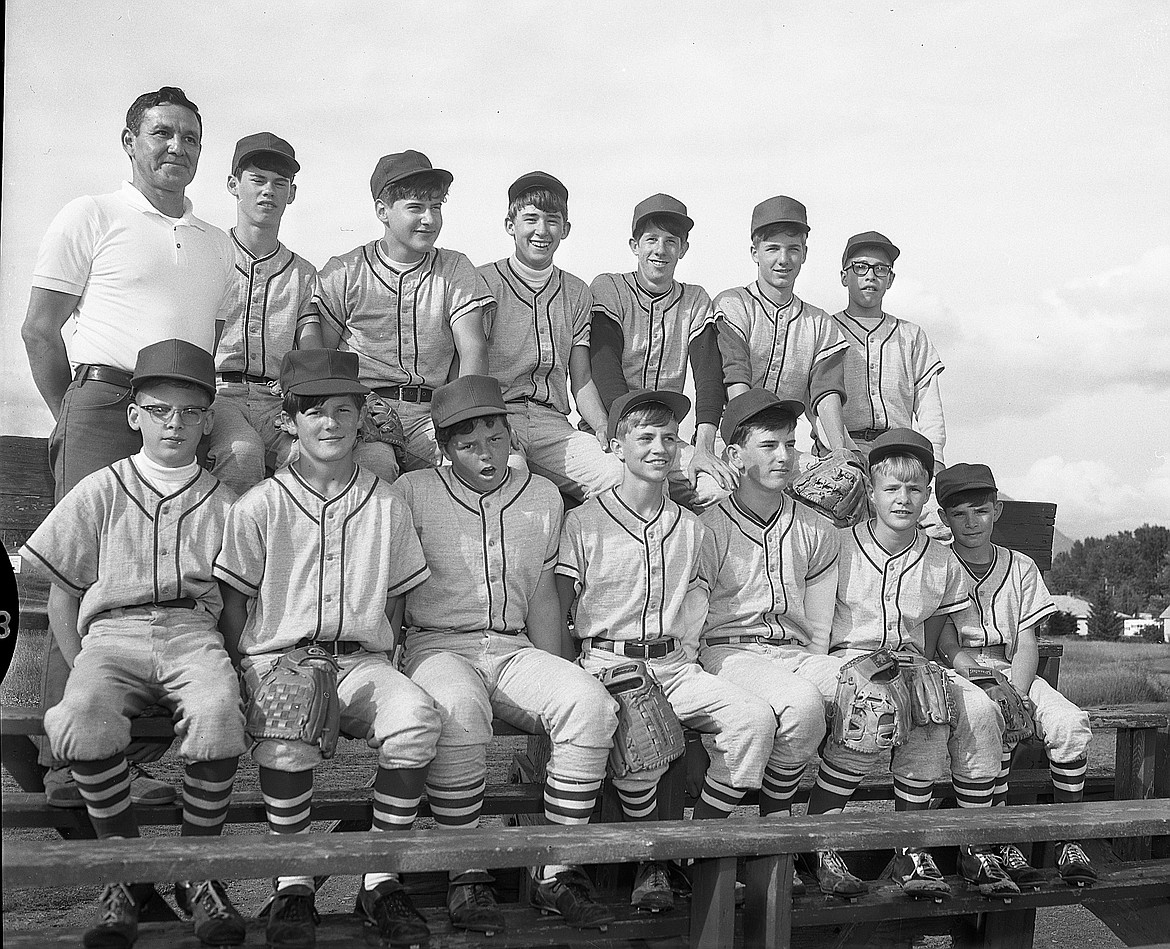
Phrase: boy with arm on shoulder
(314, 565)
(998, 631)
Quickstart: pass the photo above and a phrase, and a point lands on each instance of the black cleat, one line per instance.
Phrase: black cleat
(117, 925)
(835, 878)
(652, 890)
(919, 876)
(1074, 865)
(217, 923)
(984, 871)
(389, 917)
(292, 919)
(471, 903)
(1022, 873)
(570, 896)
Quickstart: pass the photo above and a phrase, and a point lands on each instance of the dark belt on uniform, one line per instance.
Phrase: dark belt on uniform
(91, 373)
(634, 650)
(335, 647)
(405, 393)
(244, 377)
(734, 640)
(182, 603)
(868, 434)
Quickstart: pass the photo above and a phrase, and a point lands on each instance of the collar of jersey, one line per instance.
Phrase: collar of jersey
(790, 309)
(764, 526)
(137, 200)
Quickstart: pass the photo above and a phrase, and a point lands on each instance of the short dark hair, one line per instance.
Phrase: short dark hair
(445, 434)
(975, 496)
(266, 161)
(540, 198)
(668, 222)
(293, 403)
(167, 95)
(648, 413)
(775, 418)
(770, 231)
(421, 186)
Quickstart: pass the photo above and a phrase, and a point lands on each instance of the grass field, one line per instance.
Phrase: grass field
(1097, 673)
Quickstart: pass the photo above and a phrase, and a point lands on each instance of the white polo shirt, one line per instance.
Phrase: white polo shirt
(142, 276)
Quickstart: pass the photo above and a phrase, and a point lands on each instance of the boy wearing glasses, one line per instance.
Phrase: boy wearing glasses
(131, 548)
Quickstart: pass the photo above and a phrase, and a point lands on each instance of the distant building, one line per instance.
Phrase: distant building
(1067, 603)
(1164, 616)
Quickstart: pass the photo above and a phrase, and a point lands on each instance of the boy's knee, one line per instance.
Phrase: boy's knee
(281, 755)
(83, 727)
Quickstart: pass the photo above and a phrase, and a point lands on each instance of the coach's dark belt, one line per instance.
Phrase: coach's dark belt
(633, 650)
(868, 434)
(335, 647)
(244, 377)
(998, 651)
(734, 640)
(90, 373)
(405, 393)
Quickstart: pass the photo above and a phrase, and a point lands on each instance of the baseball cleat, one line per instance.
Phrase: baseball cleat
(570, 895)
(1022, 873)
(217, 922)
(652, 890)
(835, 878)
(292, 919)
(117, 925)
(471, 904)
(1074, 865)
(919, 876)
(389, 917)
(984, 871)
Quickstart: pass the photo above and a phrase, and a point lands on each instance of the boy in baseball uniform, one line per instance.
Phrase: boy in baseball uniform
(485, 638)
(314, 565)
(771, 339)
(539, 343)
(131, 547)
(274, 287)
(998, 631)
(647, 327)
(412, 312)
(631, 560)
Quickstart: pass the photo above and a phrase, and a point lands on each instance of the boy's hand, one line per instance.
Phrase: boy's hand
(704, 461)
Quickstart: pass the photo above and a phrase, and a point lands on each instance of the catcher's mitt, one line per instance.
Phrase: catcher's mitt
(931, 702)
(382, 424)
(871, 712)
(648, 734)
(296, 700)
(1016, 708)
(835, 486)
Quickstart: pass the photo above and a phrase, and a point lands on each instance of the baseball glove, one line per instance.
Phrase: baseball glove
(835, 486)
(648, 734)
(931, 702)
(382, 424)
(296, 700)
(1016, 708)
(871, 712)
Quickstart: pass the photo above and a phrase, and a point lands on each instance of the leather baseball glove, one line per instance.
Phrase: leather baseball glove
(931, 702)
(649, 734)
(871, 712)
(382, 424)
(835, 486)
(1016, 708)
(296, 700)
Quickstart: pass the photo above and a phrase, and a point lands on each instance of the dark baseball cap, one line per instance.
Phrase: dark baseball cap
(392, 168)
(678, 404)
(661, 204)
(868, 239)
(175, 359)
(962, 477)
(903, 441)
(467, 397)
(534, 181)
(751, 404)
(320, 372)
(779, 210)
(263, 143)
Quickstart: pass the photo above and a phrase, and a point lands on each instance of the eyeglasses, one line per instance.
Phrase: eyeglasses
(862, 267)
(163, 413)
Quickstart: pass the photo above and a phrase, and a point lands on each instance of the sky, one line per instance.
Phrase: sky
(1018, 154)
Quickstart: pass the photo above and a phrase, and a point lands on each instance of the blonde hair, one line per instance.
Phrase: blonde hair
(901, 468)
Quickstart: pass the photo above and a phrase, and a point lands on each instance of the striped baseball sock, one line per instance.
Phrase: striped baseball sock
(779, 788)
(833, 789)
(207, 791)
(457, 806)
(397, 793)
(1000, 795)
(970, 792)
(911, 794)
(716, 799)
(105, 786)
(639, 803)
(1068, 780)
(569, 802)
(288, 801)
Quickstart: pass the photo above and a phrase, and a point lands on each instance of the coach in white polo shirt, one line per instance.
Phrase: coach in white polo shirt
(134, 267)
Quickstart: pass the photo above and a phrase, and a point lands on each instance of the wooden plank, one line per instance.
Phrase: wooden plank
(1137, 921)
(67, 863)
(712, 903)
(767, 916)
(1134, 764)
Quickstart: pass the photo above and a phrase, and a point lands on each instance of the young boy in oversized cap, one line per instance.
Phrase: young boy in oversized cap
(539, 343)
(314, 566)
(647, 327)
(631, 559)
(771, 339)
(274, 288)
(131, 547)
(998, 631)
(412, 312)
(486, 638)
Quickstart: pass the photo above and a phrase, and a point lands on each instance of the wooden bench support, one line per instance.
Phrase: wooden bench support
(769, 892)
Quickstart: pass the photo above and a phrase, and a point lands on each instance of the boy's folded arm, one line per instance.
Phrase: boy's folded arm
(63, 608)
(1025, 660)
(232, 619)
(471, 347)
(546, 619)
(585, 393)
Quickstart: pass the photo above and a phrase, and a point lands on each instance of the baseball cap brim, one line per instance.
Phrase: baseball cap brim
(678, 404)
(177, 376)
(328, 387)
(291, 162)
(903, 442)
(958, 487)
(747, 406)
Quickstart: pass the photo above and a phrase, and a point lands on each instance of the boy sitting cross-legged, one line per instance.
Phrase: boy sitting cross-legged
(131, 547)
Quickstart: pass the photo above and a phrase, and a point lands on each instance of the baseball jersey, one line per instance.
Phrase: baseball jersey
(1012, 596)
(658, 328)
(884, 599)
(887, 368)
(533, 331)
(795, 351)
(319, 568)
(486, 552)
(638, 579)
(758, 571)
(398, 321)
(272, 293)
(115, 541)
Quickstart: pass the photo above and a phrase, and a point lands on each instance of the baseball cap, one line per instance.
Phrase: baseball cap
(263, 143)
(661, 204)
(962, 477)
(392, 168)
(175, 359)
(779, 210)
(751, 404)
(869, 239)
(903, 441)
(320, 372)
(678, 404)
(536, 180)
(467, 397)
